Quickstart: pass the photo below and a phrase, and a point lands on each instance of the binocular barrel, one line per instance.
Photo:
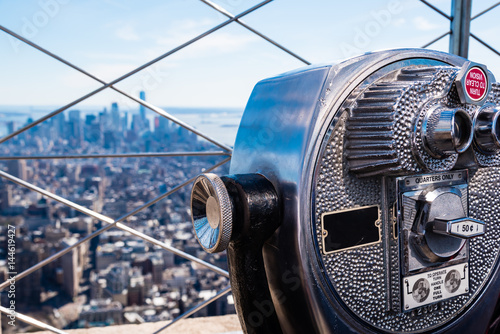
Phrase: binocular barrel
(487, 130)
(363, 198)
(447, 131)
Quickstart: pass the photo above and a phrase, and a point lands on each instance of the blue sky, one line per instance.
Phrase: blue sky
(110, 38)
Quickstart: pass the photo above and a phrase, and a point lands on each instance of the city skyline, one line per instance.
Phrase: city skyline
(117, 277)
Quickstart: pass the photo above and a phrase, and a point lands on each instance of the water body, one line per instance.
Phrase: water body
(218, 123)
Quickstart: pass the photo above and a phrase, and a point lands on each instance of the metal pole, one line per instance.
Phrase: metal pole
(460, 27)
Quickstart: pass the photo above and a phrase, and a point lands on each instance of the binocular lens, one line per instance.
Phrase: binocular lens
(461, 131)
(496, 132)
(487, 130)
(447, 131)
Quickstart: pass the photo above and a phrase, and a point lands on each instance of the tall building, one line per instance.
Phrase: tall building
(10, 127)
(115, 116)
(162, 128)
(92, 129)
(17, 168)
(118, 277)
(5, 196)
(72, 271)
(142, 109)
(75, 127)
(117, 281)
(137, 288)
(60, 125)
(28, 290)
(124, 121)
(142, 113)
(137, 124)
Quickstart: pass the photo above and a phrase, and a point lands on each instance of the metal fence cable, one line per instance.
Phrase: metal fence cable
(32, 321)
(485, 44)
(485, 11)
(140, 68)
(436, 9)
(436, 39)
(110, 221)
(158, 110)
(221, 10)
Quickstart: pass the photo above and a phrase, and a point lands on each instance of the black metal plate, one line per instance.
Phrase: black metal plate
(350, 228)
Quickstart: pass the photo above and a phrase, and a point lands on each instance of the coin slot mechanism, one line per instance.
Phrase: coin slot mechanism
(412, 188)
(347, 229)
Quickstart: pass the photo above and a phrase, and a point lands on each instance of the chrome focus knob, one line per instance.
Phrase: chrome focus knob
(487, 130)
(212, 213)
(447, 131)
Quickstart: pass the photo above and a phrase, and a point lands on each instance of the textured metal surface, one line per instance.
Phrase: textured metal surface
(285, 135)
(212, 213)
(383, 121)
(359, 277)
(486, 160)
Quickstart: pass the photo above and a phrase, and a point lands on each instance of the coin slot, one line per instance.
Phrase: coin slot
(347, 229)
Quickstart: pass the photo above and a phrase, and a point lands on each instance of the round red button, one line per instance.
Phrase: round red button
(476, 83)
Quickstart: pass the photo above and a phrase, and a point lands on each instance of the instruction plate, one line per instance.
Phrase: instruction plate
(435, 286)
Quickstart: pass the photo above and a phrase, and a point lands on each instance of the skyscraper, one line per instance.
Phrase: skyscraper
(75, 127)
(115, 116)
(142, 109)
(17, 168)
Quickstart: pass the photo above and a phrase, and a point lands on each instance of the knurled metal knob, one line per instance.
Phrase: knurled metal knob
(212, 213)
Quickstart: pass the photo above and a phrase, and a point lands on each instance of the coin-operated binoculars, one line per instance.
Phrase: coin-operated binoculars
(363, 198)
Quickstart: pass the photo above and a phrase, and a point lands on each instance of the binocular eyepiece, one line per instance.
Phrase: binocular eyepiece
(362, 197)
(487, 130)
(449, 131)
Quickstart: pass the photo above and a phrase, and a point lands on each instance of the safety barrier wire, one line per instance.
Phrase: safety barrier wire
(31, 321)
(437, 10)
(118, 222)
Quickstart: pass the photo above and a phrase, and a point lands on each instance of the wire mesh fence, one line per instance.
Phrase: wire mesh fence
(221, 153)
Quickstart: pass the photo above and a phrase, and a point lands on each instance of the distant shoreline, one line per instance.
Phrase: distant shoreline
(209, 120)
(30, 110)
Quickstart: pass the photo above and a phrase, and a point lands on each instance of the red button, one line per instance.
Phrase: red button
(476, 84)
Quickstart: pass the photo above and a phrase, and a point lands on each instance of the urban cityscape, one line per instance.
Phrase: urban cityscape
(116, 278)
